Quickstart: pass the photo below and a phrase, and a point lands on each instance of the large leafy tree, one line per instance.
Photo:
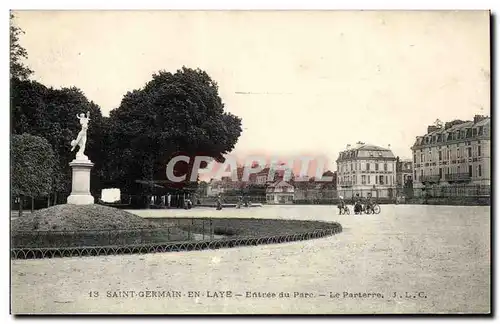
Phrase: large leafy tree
(174, 113)
(32, 166)
(18, 53)
(51, 114)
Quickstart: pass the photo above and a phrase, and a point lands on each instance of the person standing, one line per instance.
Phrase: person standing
(369, 203)
(358, 205)
(341, 205)
(219, 202)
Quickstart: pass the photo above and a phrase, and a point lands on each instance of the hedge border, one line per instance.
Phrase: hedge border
(40, 253)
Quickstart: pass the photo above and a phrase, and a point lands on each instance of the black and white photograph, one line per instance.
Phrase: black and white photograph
(250, 162)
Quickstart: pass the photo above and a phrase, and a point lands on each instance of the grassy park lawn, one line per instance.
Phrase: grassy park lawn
(96, 225)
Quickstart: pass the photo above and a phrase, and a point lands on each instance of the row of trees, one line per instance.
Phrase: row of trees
(174, 113)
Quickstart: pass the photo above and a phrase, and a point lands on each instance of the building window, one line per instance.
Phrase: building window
(376, 166)
(458, 153)
(385, 166)
(469, 151)
(414, 158)
(415, 174)
(367, 166)
(479, 171)
(421, 174)
(386, 179)
(470, 171)
(368, 177)
(440, 155)
(421, 158)
(376, 179)
(381, 180)
(440, 173)
(480, 130)
(449, 154)
(479, 150)
(363, 179)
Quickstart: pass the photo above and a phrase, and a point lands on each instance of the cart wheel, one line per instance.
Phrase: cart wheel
(376, 209)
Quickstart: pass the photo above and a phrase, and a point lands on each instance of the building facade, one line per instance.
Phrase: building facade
(309, 189)
(457, 153)
(215, 187)
(366, 169)
(404, 172)
(280, 192)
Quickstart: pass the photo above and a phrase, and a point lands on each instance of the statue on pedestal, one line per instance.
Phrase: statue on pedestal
(81, 166)
(81, 139)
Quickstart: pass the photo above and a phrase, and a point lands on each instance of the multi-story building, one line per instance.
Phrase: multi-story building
(404, 172)
(313, 190)
(456, 153)
(366, 169)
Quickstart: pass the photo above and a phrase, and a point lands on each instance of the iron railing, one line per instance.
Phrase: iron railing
(430, 178)
(80, 251)
(457, 177)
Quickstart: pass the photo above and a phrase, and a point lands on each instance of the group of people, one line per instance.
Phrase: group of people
(173, 201)
(242, 201)
(360, 203)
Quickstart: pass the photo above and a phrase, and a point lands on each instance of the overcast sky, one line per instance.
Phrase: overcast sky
(303, 82)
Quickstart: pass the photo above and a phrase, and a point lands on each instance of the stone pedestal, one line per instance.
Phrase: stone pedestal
(80, 189)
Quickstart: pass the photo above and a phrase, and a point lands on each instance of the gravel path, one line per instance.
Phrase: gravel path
(436, 259)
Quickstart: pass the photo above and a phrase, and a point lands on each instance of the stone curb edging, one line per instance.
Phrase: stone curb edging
(39, 253)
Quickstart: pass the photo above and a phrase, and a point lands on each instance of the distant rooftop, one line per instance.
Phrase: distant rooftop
(364, 150)
(455, 130)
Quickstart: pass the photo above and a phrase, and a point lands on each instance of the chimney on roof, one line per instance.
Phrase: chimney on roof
(389, 146)
(348, 146)
(432, 128)
(478, 118)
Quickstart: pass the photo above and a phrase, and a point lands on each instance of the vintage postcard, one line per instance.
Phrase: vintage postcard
(250, 162)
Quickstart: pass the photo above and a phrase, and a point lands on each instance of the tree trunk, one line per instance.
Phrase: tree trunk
(32, 204)
(20, 205)
(151, 188)
(55, 198)
(48, 200)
